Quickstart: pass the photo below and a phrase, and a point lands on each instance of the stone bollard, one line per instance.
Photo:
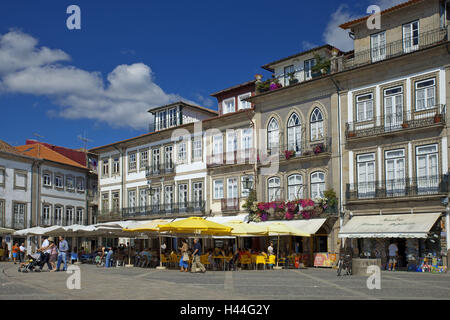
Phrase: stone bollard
(359, 266)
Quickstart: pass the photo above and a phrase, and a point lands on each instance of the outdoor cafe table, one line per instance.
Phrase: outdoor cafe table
(225, 259)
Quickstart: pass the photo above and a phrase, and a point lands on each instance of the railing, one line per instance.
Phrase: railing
(18, 225)
(304, 149)
(234, 157)
(169, 209)
(396, 122)
(407, 187)
(395, 48)
(162, 168)
(108, 215)
(287, 80)
(231, 204)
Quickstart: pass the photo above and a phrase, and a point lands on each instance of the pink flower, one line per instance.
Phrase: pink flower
(289, 216)
(264, 217)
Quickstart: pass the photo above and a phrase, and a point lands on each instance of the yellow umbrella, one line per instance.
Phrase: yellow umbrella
(196, 225)
(281, 229)
(242, 229)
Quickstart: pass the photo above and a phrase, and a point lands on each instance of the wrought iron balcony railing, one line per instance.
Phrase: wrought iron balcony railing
(396, 122)
(161, 168)
(244, 156)
(395, 48)
(302, 149)
(231, 204)
(407, 187)
(167, 209)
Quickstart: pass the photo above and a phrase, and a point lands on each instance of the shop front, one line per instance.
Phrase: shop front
(419, 238)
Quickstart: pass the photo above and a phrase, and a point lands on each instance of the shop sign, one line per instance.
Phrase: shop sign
(324, 259)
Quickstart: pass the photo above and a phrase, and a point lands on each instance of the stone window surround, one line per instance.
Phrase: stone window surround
(105, 162)
(147, 150)
(114, 173)
(50, 174)
(2, 184)
(50, 206)
(2, 212)
(19, 171)
(83, 184)
(74, 182)
(135, 153)
(25, 212)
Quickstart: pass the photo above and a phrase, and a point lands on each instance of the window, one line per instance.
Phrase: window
(273, 131)
(317, 184)
(232, 188)
(218, 189)
(116, 165)
(168, 197)
(378, 46)
(183, 195)
(80, 184)
(287, 71)
(366, 175)
(155, 160)
(427, 168)
(231, 145)
(132, 162)
(155, 198)
(316, 125)
(143, 159)
(295, 187)
(46, 219)
(79, 216)
(59, 182)
(69, 216)
(308, 68)
(411, 36)
(168, 157)
(47, 180)
(2, 213)
(182, 152)
(2, 177)
(425, 94)
(247, 142)
(105, 170)
(246, 191)
(228, 105)
(197, 148)
(58, 216)
(70, 185)
(393, 108)
(273, 189)
(244, 104)
(364, 107)
(105, 201)
(294, 133)
(198, 194)
(115, 201)
(395, 172)
(217, 149)
(20, 180)
(162, 120)
(172, 117)
(131, 198)
(142, 198)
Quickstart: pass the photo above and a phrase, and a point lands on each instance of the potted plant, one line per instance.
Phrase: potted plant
(263, 86)
(405, 125)
(321, 67)
(351, 134)
(292, 78)
(437, 118)
(289, 154)
(318, 148)
(275, 84)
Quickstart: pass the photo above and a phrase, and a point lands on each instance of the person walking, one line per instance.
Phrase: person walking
(196, 264)
(22, 252)
(53, 253)
(15, 252)
(62, 255)
(184, 261)
(393, 254)
(45, 249)
(108, 258)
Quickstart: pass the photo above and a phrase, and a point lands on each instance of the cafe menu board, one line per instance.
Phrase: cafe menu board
(324, 259)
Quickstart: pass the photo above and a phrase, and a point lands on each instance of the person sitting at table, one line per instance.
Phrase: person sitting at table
(74, 255)
(210, 259)
(146, 253)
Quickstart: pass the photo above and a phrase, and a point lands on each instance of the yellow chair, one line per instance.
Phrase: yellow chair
(260, 260)
(271, 260)
(282, 262)
(173, 260)
(164, 260)
(245, 260)
(253, 257)
(204, 260)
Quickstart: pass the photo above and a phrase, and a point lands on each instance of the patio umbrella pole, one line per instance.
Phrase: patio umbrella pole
(278, 254)
(161, 267)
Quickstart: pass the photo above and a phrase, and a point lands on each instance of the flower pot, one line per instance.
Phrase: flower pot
(405, 125)
(351, 134)
(437, 118)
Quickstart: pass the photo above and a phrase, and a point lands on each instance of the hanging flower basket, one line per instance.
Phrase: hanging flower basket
(289, 154)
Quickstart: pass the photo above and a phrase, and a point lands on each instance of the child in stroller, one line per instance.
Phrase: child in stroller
(34, 262)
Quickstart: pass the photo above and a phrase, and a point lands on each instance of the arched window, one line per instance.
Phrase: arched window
(273, 131)
(295, 187)
(273, 189)
(316, 125)
(317, 184)
(294, 135)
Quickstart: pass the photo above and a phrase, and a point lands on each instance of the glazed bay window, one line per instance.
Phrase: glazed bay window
(218, 189)
(155, 160)
(427, 169)
(58, 216)
(19, 211)
(116, 165)
(197, 148)
(364, 107)
(182, 153)
(378, 46)
(274, 189)
(79, 216)
(228, 105)
(411, 36)
(168, 198)
(47, 180)
(244, 190)
(365, 166)
(242, 104)
(143, 160)
(295, 187)
(317, 184)
(395, 173)
(425, 94)
(46, 218)
(69, 216)
(308, 68)
(132, 164)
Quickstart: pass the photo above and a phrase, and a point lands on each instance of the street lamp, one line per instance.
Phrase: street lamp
(248, 183)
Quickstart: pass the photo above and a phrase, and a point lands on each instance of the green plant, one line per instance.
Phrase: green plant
(332, 198)
(263, 86)
(321, 63)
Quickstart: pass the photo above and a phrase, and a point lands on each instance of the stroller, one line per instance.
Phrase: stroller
(34, 263)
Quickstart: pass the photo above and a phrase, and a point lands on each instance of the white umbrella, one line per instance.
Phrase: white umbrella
(35, 231)
(6, 231)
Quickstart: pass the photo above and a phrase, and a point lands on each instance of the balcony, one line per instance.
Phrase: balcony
(109, 215)
(92, 197)
(247, 156)
(307, 150)
(161, 169)
(399, 122)
(231, 204)
(394, 49)
(407, 187)
(172, 210)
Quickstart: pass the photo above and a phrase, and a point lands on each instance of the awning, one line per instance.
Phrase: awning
(310, 226)
(390, 226)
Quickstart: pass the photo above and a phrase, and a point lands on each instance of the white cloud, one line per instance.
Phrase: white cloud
(206, 102)
(121, 101)
(384, 4)
(336, 36)
(306, 45)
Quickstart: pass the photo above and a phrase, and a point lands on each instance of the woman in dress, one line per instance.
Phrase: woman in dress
(53, 253)
(184, 253)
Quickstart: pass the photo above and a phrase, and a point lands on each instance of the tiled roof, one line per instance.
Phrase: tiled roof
(42, 152)
(5, 147)
(399, 6)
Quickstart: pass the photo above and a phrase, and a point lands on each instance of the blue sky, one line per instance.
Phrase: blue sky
(132, 55)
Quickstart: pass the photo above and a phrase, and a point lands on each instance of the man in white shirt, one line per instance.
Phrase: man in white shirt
(46, 250)
(270, 249)
(22, 252)
(393, 254)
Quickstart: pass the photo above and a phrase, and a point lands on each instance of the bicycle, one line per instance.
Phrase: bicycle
(345, 263)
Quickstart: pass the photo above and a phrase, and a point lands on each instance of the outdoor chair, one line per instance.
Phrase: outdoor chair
(271, 261)
(245, 261)
(260, 260)
(204, 260)
(164, 260)
(173, 260)
(143, 261)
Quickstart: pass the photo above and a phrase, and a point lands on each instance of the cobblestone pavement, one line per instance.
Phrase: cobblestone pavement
(137, 283)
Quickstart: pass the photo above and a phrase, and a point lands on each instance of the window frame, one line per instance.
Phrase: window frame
(241, 103)
(25, 176)
(416, 83)
(131, 161)
(364, 102)
(317, 183)
(318, 125)
(216, 191)
(301, 188)
(3, 170)
(225, 109)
